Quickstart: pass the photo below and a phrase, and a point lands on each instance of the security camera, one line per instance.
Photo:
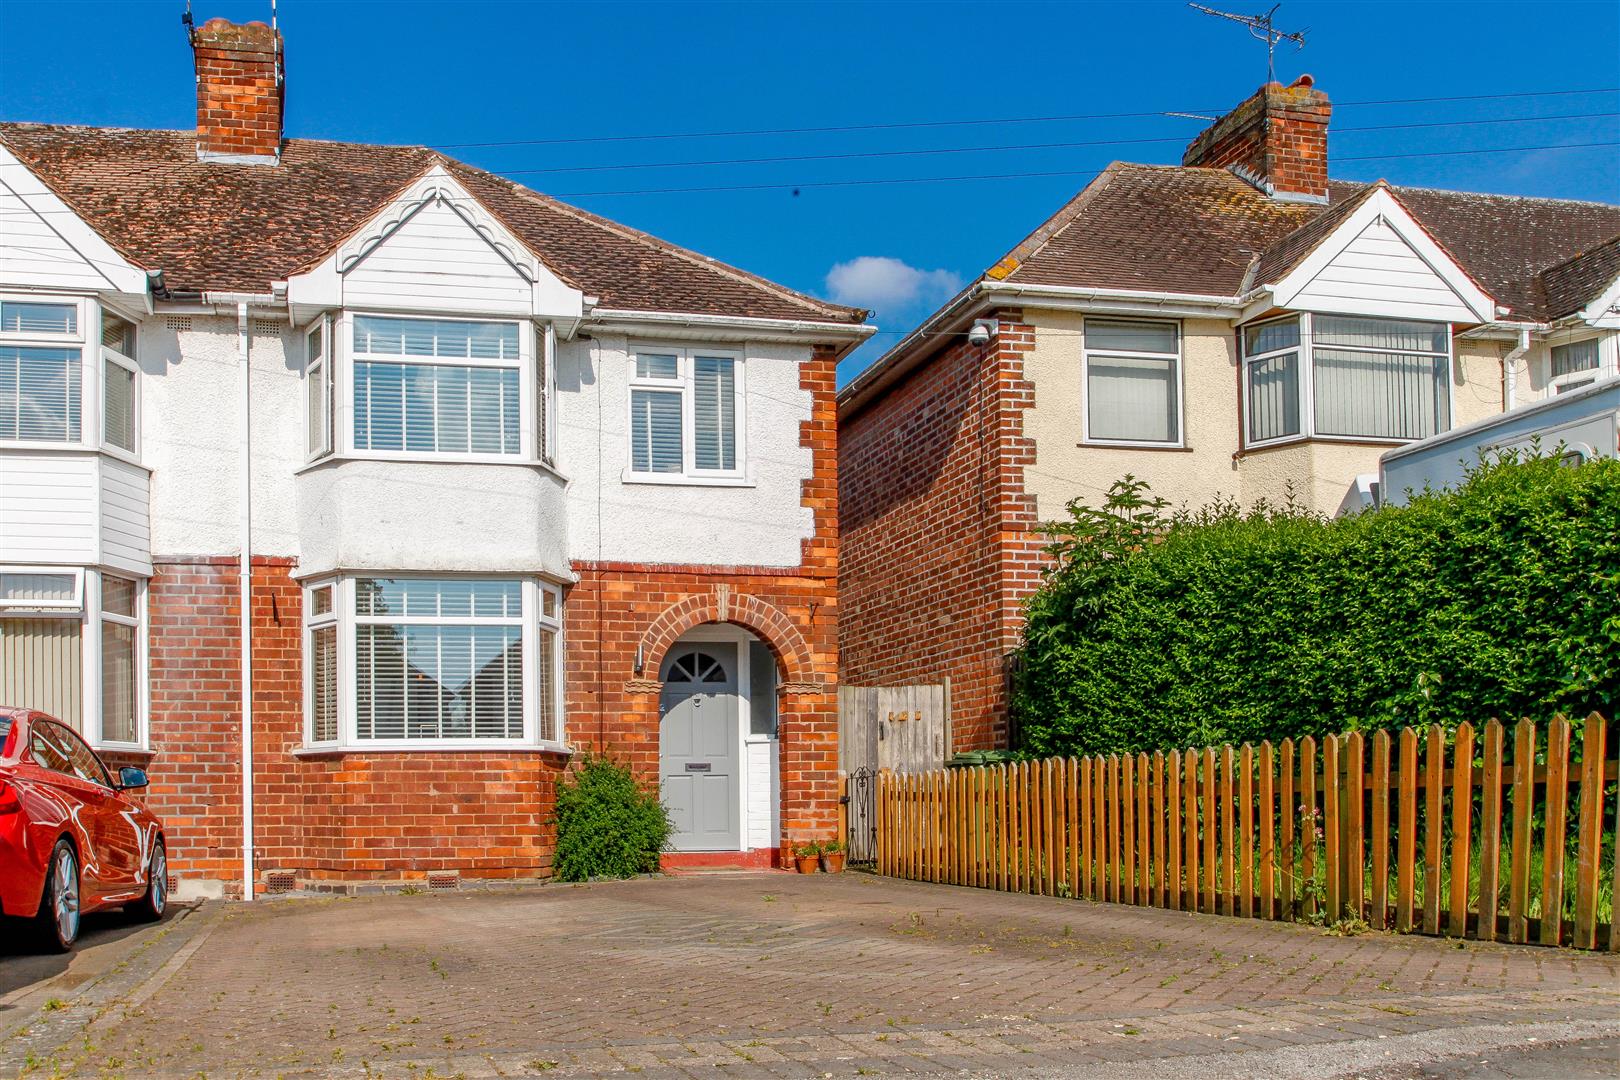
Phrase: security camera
(981, 333)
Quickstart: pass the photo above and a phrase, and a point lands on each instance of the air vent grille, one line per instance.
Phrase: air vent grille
(280, 882)
(444, 882)
(178, 322)
(174, 883)
(266, 328)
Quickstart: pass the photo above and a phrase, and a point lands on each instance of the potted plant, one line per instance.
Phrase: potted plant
(808, 857)
(832, 857)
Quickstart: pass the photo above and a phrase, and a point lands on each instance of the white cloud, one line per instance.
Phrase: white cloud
(888, 285)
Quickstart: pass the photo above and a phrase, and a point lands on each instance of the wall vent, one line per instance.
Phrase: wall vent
(174, 883)
(178, 322)
(280, 881)
(444, 882)
(266, 328)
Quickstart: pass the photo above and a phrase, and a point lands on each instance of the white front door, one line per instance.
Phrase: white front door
(698, 740)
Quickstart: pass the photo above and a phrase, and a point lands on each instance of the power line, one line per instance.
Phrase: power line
(1006, 147)
(918, 124)
(1019, 175)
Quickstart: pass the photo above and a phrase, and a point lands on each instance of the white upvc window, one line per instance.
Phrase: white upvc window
(420, 663)
(545, 370)
(73, 644)
(687, 417)
(1131, 370)
(440, 387)
(42, 370)
(120, 386)
(1575, 364)
(318, 410)
(1346, 377)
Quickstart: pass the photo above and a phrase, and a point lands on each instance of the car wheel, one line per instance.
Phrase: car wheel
(150, 908)
(58, 920)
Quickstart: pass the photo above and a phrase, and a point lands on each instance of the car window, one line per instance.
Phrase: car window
(46, 752)
(83, 761)
(5, 733)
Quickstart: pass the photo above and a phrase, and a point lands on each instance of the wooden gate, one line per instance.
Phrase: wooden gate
(903, 729)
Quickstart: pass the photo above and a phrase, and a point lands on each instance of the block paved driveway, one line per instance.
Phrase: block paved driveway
(781, 975)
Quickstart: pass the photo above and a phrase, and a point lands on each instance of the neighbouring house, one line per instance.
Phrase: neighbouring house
(351, 489)
(1239, 325)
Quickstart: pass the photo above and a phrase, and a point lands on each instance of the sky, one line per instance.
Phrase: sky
(561, 86)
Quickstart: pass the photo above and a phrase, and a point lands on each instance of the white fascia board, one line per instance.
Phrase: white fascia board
(1382, 204)
(625, 320)
(1115, 301)
(321, 286)
(121, 275)
(1605, 310)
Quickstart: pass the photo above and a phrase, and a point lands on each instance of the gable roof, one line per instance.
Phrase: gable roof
(1575, 283)
(211, 226)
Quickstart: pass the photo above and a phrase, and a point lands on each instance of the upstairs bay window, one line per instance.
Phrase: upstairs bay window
(424, 663)
(1132, 373)
(118, 372)
(41, 371)
(1574, 365)
(685, 414)
(1350, 377)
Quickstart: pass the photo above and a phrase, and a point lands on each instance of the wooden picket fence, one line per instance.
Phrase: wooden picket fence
(1435, 837)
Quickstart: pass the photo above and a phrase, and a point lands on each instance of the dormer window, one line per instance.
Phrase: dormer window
(41, 371)
(1346, 377)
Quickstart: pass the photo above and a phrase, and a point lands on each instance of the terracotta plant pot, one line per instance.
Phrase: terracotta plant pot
(833, 862)
(809, 864)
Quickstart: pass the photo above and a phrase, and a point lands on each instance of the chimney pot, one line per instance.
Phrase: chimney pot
(240, 92)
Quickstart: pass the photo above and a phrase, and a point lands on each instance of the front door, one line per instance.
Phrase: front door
(698, 740)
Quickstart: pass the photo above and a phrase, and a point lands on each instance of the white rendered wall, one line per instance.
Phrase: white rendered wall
(757, 524)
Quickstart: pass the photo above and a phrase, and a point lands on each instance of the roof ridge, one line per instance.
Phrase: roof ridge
(1493, 195)
(659, 244)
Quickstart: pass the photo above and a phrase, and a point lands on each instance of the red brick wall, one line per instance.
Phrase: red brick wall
(1278, 136)
(938, 550)
(239, 97)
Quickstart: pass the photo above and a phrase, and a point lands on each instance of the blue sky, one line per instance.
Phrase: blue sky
(442, 73)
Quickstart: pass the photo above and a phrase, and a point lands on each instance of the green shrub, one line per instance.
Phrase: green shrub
(1158, 630)
(608, 825)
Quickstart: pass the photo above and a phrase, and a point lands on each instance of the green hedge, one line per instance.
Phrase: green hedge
(1158, 631)
(608, 825)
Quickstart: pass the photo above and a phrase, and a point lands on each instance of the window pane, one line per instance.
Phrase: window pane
(435, 408)
(1131, 336)
(20, 317)
(118, 405)
(1394, 334)
(1269, 337)
(39, 666)
(438, 682)
(1576, 356)
(657, 366)
(1274, 397)
(118, 596)
(438, 597)
(436, 337)
(761, 690)
(51, 589)
(1131, 398)
(547, 685)
(714, 409)
(118, 334)
(118, 682)
(323, 684)
(39, 393)
(655, 431)
(1380, 395)
(315, 407)
(320, 601)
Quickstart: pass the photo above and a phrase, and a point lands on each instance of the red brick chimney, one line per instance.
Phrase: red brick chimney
(239, 92)
(1276, 140)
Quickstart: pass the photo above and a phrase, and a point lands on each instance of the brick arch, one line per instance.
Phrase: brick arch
(723, 606)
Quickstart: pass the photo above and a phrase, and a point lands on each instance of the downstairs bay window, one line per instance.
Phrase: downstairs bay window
(1346, 377)
(402, 663)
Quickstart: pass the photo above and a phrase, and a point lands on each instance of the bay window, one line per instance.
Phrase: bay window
(1132, 373)
(685, 414)
(41, 371)
(1574, 364)
(318, 390)
(72, 645)
(1353, 377)
(418, 662)
(437, 386)
(118, 371)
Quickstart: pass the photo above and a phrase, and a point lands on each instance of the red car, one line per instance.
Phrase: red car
(71, 841)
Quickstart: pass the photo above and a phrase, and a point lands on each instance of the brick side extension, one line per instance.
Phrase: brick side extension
(939, 548)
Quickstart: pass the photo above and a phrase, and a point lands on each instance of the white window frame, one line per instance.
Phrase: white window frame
(546, 409)
(59, 607)
(686, 384)
(533, 618)
(1307, 381)
(141, 672)
(88, 315)
(1178, 379)
(343, 329)
(1560, 384)
(319, 368)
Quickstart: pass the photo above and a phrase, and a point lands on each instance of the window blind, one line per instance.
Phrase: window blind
(40, 666)
(714, 408)
(323, 684)
(435, 408)
(438, 682)
(39, 393)
(545, 683)
(1576, 356)
(1274, 396)
(118, 720)
(436, 338)
(655, 431)
(1379, 394)
(24, 317)
(1131, 398)
(117, 405)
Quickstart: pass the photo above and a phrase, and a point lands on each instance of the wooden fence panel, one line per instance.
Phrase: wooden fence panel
(1433, 835)
(1490, 831)
(1159, 857)
(1590, 838)
(1288, 813)
(1228, 853)
(1307, 824)
(1211, 827)
(1143, 831)
(1378, 913)
(1172, 798)
(1332, 785)
(1268, 809)
(1552, 863)
(1406, 832)
(1462, 804)
(1245, 810)
(1190, 824)
(1127, 831)
(1353, 852)
(1524, 764)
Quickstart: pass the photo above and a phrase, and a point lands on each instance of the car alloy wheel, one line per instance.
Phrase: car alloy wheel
(158, 882)
(59, 907)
